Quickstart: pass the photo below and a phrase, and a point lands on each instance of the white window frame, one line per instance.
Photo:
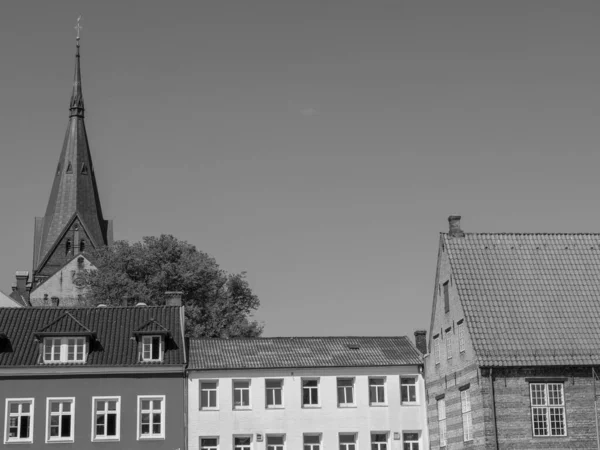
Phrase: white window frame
(345, 404)
(60, 347)
(414, 444)
(274, 405)
(348, 445)
(381, 445)
(249, 389)
(147, 342)
(151, 436)
(461, 337)
(414, 386)
(215, 390)
(549, 406)
(242, 446)
(312, 445)
(71, 437)
(317, 387)
(7, 415)
(467, 418)
(117, 436)
(441, 408)
(276, 446)
(436, 349)
(378, 402)
(216, 447)
(448, 337)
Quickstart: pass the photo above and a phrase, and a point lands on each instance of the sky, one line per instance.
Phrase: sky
(318, 145)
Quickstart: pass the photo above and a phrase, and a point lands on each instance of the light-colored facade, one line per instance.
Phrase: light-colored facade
(226, 404)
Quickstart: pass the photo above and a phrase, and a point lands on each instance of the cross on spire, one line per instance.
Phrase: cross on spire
(78, 28)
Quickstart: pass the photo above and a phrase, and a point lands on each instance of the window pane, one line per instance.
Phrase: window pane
(242, 441)
(65, 429)
(309, 383)
(156, 347)
(209, 442)
(378, 437)
(111, 425)
(274, 440)
(204, 399)
(311, 439)
(24, 431)
(209, 385)
(273, 383)
(346, 438)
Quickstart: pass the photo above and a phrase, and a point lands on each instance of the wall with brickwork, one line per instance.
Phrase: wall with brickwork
(293, 420)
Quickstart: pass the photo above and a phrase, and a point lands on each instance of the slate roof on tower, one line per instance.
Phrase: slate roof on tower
(529, 299)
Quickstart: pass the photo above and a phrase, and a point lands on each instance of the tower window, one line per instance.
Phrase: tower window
(82, 246)
(67, 246)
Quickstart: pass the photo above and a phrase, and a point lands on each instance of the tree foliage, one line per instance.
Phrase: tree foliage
(217, 304)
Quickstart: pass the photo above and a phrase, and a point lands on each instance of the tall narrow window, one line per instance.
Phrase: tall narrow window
(275, 442)
(82, 246)
(19, 420)
(241, 394)
(441, 407)
(151, 417)
(60, 419)
(310, 392)
(242, 443)
(312, 442)
(436, 348)
(345, 391)
(408, 390)
(106, 418)
(151, 348)
(274, 393)
(467, 420)
(377, 391)
(448, 338)
(461, 336)
(67, 246)
(548, 409)
(446, 297)
(379, 441)
(209, 443)
(208, 395)
(347, 441)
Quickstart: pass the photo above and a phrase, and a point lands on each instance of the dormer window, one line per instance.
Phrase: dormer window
(71, 349)
(152, 348)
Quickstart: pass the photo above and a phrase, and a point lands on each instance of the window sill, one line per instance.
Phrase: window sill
(274, 407)
(376, 405)
(242, 408)
(346, 405)
(311, 406)
(107, 439)
(60, 441)
(209, 409)
(151, 438)
(18, 441)
(410, 404)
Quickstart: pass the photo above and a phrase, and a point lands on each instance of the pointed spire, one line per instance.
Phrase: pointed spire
(76, 107)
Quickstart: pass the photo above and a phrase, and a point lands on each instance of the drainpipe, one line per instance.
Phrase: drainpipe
(494, 408)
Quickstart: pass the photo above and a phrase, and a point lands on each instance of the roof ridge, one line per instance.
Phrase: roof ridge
(297, 337)
(445, 233)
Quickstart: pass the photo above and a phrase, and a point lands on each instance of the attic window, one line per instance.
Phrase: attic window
(353, 346)
(152, 348)
(71, 349)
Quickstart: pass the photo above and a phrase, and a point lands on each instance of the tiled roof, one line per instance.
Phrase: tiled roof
(114, 344)
(529, 299)
(297, 352)
(65, 323)
(152, 326)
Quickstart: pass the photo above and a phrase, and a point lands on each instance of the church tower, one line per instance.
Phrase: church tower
(73, 222)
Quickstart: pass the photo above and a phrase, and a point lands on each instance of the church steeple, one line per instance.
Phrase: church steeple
(73, 221)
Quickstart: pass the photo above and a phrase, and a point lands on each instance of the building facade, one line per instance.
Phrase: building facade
(92, 378)
(514, 341)
(315, 393)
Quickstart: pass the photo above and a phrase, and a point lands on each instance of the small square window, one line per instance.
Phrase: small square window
(208, 394)
(106, 417)
(275, 442)
(345, 391)
(310, 392)
(19, 420)
(241, 394)
(312, 442)
(60, 419)
(274, 393)
(209, 443)
(152, 348)
(377, 391)
(408, 390)
(151, 417)
(242, 443)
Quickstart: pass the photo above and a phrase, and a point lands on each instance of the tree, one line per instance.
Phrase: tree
(217, 304)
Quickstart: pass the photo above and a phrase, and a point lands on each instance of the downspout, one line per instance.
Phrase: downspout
(494, 408)
(185, 342)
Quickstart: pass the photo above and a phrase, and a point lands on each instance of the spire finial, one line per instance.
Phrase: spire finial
(78, 28)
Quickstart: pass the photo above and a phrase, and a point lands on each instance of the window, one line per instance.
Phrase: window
(242, 443)
(151, 417)
(275, 442)
(467, 420)
(208, 395)
(441, 407)
(312, 442)
(548, 409)
(209, 443)
(106, 418)
(436, 348)
(60, 419)
(345, 391)
(274, 393)
(379, 441)
(310, 392)
(446, 297)
(411, 441)
(65, 349)
(241, 394)
(19, 420)
(449, 343)
(151, 348)
(82, 246)
(377, 391)
(408, 390)
(461, 336)
(347, 441)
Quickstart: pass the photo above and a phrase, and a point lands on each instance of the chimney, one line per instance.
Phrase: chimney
(421, 341)
(55, 301)
(455, 231)
(21, 286)
(173, 298)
